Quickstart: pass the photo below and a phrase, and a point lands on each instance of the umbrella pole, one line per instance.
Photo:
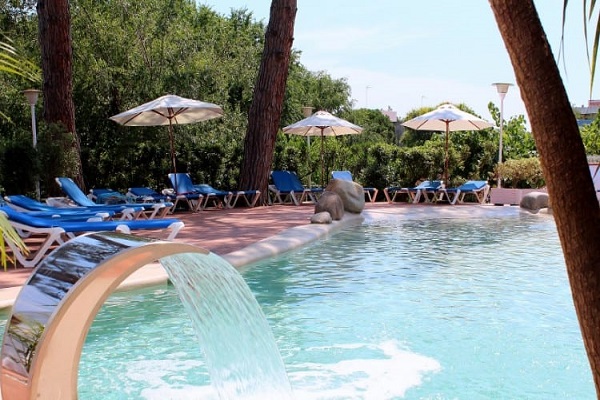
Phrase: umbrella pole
(322, 160)
(446, 159)
(172, 142)
(308, 161)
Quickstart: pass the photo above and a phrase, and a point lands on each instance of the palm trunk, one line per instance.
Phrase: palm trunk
(54, 25)
(267, 104)
(564, 163)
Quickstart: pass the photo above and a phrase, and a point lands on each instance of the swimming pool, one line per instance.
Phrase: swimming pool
(395, 308)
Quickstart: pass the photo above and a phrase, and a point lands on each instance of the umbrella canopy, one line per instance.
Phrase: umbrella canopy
(322, 124)
(169, 110)
(447, 118)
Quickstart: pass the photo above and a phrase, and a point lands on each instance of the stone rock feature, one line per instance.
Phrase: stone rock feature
(535, 201)
(332, 203)
(321, 218)
(351, 193)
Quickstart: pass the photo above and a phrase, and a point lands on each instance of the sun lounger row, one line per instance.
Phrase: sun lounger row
(286, 188)
(435, 191)
(55, 228)
(46, 225)
(121, 211)
(148, 210)
(140, 209)
(195, 196)
(201, 196)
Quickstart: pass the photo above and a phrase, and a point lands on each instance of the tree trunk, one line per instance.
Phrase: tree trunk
(564, 163)
(265, 112)
(54, 35)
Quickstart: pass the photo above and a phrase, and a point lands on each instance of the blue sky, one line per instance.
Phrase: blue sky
(404, 54)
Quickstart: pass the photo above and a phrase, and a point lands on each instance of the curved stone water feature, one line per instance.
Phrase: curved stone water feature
(52, 315)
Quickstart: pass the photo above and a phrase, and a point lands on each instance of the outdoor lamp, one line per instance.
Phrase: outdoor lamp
(307, 111)
(502, 89)
(32, 98)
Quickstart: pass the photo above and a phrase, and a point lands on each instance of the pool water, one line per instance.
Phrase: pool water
(391, 309)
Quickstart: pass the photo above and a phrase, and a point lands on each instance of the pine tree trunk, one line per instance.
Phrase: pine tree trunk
(54, 33)
(267, 104)
(564, 162)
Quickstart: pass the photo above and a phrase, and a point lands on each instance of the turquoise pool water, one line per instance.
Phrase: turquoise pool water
(392, 309)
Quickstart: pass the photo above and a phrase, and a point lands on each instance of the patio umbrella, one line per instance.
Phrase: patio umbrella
(447, 118)
(322, 124)
(169, 110)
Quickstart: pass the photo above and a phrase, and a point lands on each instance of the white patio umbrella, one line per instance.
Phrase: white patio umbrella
(169, 110)
(447, 118)
(322, 124)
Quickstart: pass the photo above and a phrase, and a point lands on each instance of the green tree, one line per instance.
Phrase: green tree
(517, 141)
(590, 134)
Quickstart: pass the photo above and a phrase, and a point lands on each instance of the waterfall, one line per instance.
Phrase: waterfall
(238, 345)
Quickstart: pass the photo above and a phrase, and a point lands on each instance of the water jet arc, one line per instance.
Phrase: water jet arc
(55, 308)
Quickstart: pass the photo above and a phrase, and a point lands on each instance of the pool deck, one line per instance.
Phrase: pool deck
(245, 235)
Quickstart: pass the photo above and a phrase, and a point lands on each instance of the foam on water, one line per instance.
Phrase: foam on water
(389, 374)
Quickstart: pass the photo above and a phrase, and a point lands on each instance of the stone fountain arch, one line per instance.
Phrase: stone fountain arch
(52, 315)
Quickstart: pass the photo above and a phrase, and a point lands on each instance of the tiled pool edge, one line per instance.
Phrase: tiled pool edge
(289, 239)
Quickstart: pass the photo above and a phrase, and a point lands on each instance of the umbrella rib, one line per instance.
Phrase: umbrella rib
(132, 118)
(179, 111)
(162, 114)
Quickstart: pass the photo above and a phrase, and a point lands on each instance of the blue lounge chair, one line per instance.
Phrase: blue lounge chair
(225, 198)
(229, 198)
(67, 215)
(393, 192)
(426, 189)
(212, 196)
(184, 191)
(106, 196)
(287, 189)
(24, 203)
(477, 189)
(370, 192)
(149, 211)
(146, 195)
(57, 231)
(218, 198)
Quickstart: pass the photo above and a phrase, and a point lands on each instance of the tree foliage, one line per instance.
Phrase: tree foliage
(126, 53)
(590, 134)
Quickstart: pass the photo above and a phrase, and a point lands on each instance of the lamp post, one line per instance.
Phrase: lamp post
(32, 98)
(367, 96)
(502, 89)
(307, 112)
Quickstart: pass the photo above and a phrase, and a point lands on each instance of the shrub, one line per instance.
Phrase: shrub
(521, 173)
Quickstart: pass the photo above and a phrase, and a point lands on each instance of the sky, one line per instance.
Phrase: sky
(402, 55)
